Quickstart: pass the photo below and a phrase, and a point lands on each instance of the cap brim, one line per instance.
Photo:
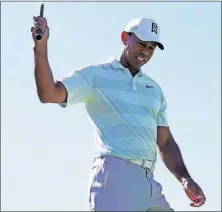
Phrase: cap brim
(145, 37)
(160, 45)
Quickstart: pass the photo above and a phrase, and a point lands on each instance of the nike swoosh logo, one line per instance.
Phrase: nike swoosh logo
(149, 86)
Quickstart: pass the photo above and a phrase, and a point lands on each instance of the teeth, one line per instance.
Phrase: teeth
(140, 58)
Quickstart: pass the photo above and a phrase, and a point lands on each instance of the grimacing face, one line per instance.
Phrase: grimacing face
(137, 52)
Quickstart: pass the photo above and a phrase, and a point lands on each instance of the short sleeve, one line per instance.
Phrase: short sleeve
(78, 88)
(161, 118)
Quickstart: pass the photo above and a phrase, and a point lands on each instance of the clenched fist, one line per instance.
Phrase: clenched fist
(40, 23)
(194, 192)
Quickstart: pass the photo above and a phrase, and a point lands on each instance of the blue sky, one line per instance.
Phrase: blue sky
(47, 151)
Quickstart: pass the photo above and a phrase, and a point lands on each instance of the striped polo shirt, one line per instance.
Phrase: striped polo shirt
(124, 110)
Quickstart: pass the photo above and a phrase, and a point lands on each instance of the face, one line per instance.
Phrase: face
(137, 52)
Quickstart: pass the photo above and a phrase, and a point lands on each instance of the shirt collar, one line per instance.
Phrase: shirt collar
(114, 62)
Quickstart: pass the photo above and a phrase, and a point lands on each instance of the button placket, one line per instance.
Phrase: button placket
(134, 83)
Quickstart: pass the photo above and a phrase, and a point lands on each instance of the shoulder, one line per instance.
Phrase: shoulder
(94, 69)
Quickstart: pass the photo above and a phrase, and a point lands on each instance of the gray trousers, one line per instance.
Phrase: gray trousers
(118, 185)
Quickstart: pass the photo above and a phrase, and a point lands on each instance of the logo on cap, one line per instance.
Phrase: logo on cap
(154, 28)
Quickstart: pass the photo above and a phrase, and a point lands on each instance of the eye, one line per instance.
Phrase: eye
(151, 48)
(142, 44)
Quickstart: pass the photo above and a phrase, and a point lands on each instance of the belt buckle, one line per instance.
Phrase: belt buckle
(143, 164)
(147, 167)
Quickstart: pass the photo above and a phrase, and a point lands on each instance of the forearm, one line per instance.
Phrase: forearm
(43, 73)
(171, 156)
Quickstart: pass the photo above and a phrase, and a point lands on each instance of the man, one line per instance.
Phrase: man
(128, 113)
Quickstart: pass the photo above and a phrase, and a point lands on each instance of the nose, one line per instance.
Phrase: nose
(145, 51)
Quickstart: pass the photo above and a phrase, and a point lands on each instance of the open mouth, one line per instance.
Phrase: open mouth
(140, 58)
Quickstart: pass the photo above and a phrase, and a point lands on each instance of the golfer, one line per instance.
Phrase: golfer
(127, 110)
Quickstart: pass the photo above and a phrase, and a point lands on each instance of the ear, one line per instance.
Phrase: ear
(124, 37)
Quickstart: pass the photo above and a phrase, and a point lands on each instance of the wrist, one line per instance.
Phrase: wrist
(185, 180)
(40, 49)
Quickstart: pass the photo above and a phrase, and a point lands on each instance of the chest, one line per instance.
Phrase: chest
(126, 93)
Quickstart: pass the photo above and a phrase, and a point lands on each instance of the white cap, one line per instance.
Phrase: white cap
(145, 29)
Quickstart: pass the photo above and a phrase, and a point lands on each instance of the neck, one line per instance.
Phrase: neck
(124, 62)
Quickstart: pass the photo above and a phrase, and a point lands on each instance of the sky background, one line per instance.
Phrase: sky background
(47, 151)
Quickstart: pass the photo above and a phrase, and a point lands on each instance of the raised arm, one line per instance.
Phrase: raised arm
(48, 90)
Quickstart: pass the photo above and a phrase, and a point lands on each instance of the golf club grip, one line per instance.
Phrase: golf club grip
(38, 34)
